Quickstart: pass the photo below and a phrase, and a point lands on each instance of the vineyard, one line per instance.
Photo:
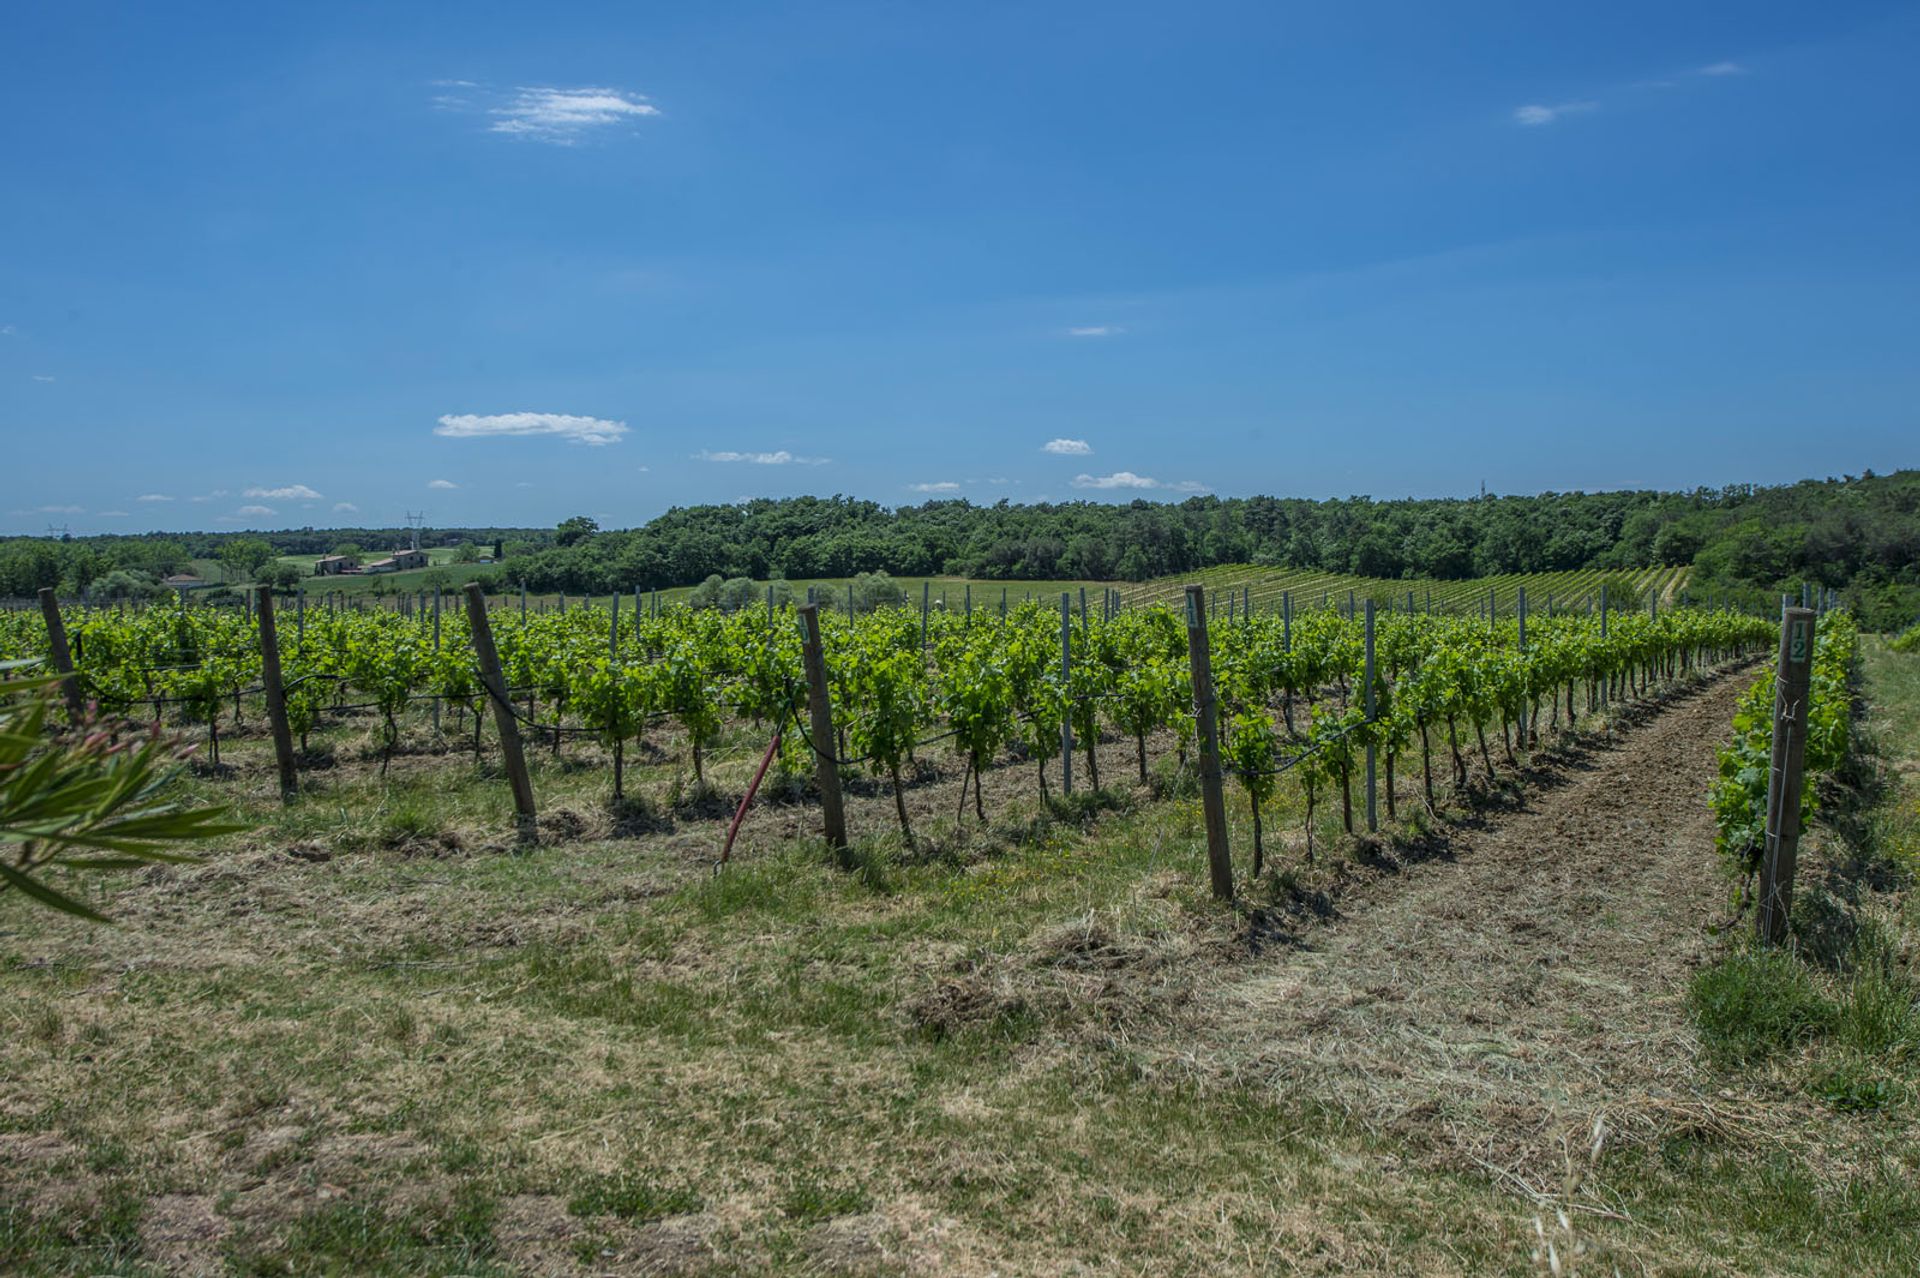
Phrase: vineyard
(1019, 690)
(1577, 590)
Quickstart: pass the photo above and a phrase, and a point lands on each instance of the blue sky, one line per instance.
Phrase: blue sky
(268, 266)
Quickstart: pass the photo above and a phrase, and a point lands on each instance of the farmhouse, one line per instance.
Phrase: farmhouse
(399, 561)
(335, 565)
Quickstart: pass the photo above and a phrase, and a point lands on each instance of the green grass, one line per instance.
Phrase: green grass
(1756, 1003)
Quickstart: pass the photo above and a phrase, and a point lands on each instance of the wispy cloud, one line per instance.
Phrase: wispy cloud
(780, 458)
(1534, 114)
(153, 497)
(594, 431)
(940, 486)
(1096, 330)
(441, 483)
(1539, 114)
(286, 492)
(110, 514)
(41, 377)
(564, 117)
(1068, 448)
(1127, 479)
(253, 512)
(8, 330)
(345, 508)
(52, 510)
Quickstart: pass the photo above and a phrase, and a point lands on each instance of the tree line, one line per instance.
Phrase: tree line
(1858, 534)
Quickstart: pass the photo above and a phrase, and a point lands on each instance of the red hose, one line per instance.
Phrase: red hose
(773, 748)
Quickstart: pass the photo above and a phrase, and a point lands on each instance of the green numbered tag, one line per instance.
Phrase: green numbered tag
(1797, 642)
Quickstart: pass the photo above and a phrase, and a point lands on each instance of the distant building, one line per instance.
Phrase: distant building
(335, 565)
(184, 581)
(400, 560)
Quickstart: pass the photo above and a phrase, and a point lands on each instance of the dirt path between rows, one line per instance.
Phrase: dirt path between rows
(1492, 1001)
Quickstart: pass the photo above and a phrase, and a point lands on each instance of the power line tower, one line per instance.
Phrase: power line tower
(414, 520)
(62, 533)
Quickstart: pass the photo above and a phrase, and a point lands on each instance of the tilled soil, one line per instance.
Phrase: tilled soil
(1493, 1002)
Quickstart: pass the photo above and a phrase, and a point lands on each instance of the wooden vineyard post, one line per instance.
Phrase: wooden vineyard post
(926, 599)
(62, 659)
(1606, 680)
(276, 697)
(1066, 684)
(1373, 790)
(1527, 702)
(436, 649)
(503, 718)
(1781, 851)
(820, 712)
(1200, 664)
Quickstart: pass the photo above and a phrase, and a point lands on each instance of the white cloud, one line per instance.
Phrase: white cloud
(1127, 479)
(1535, 114)
(523, 483)
(781, 458)
(942, 486)
(441, 483)
(563, 116)
(110, 514)
(345, 508)
(153, 497)
(1119, 479)
(8, 330)
(53, 510)
(1096, 330)
(287, 492)
(1068, 447)
(256, 510)
(41, 377)
(575, 430)
(1723, 68)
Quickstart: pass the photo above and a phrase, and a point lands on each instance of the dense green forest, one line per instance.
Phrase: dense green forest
(1860, 535)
